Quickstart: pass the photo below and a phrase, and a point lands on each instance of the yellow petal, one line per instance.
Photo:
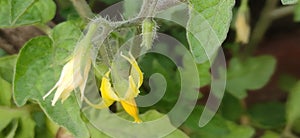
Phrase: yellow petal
(136, 68)
(129, 106)
(64, 85)
(65, 94)
(107, 91)
(132, 90)
(85, 77)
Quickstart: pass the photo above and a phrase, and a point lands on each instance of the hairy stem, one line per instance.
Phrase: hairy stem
(146, 11)
(148, 8)
(165, 4)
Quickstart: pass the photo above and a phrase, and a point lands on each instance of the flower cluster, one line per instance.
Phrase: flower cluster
(109, 95)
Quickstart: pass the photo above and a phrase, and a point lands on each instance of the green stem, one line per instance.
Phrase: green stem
(244, 3)
(165, 4)
(287, 132)
(148, 8)
(85, 43)
(83, 9)
(261, 26)
(282, 12)
(244, 119)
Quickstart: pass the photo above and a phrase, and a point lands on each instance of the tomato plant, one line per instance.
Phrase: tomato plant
(150, 68)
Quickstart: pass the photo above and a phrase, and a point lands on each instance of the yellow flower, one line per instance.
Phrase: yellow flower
(71, 77)
(135, 80)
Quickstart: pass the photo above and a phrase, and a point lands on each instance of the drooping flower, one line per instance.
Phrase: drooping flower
(75, 72)
(71, 77)
(135, 80)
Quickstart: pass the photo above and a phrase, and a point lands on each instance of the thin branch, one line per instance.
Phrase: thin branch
(148, 8)
(282, 12)
(261, 26)
(146, 11)
(165, 4)
(83, 9)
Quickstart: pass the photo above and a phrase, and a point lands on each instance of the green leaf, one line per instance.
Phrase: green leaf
(231, 108)
(270, 134)
(208, 25)
(250, 74)
(131, 7)
(297, 12)
(7, 65)
(95, 133)
(16, 13)
(26, 127)
(292, 105)
(2, 52)
(286, 82)
(110, 2)
(22, 116)
(5, 92)
(239, 131)
(296, 126)
(151, 115)
(43, 129)
(7, 115)
(274, 118)
(204, 73)
(37, 70)
(155, 63)
(12, 132)
(128, 129)
(289, 2)
(66, 9)
(218, 127)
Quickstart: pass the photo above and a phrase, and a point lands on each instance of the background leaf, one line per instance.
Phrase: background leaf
(286, 82)
(16, 13)
(270, 134)
(95, 133)
(204, 73)
(208, 24)
(44, 127)
(131, 8)
(5, 92)
(288, 2)
(274, 118)
(292, 105)
(152, 115)
(7, 65)
(39, 64)
(297, 12)
(231, 107)
(25, 124)
(218, 127)
(250, 74)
